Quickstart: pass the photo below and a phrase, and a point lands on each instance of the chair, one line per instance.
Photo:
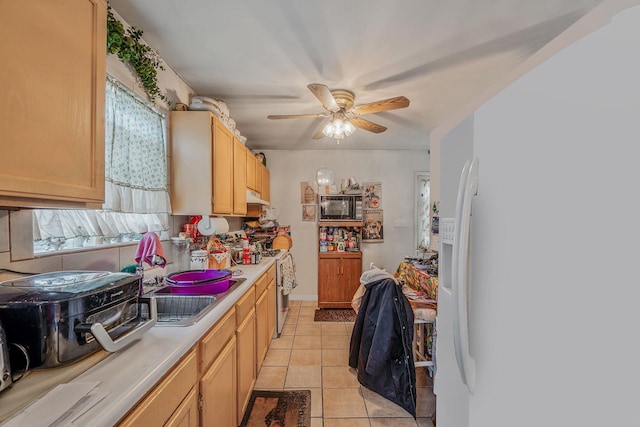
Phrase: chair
(423, 317)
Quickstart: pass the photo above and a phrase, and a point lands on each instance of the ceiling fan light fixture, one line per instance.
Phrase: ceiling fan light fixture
(344, 116)
(338, 128)
(349, 128)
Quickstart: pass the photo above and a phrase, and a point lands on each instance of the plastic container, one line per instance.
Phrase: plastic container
(199, 282)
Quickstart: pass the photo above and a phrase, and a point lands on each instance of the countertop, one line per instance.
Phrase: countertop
(130, 373)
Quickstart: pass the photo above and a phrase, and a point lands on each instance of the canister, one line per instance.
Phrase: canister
(199, 260)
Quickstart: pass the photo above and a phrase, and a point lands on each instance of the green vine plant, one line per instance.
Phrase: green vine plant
(127, 45)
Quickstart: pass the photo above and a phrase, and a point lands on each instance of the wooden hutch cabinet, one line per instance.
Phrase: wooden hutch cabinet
(339, 269)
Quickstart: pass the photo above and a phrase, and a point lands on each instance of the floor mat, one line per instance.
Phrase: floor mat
(279, 408)
(334, 315)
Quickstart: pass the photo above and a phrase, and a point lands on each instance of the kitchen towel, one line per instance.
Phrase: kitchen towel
(149, 248)
(288, 269)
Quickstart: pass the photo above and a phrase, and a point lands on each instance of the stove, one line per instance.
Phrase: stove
(271, 252)
(280, 255)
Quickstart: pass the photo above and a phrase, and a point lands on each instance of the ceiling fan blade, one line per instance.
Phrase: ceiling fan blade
(384, 105)
(296, 116)
(319, 134)
(367, 125)
(324, 95)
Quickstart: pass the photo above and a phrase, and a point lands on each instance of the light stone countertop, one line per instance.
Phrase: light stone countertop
(129, 374)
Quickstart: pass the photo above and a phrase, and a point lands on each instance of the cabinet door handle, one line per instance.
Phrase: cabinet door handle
(342, 271)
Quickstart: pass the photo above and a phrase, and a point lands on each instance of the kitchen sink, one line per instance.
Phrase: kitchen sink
(184, 309)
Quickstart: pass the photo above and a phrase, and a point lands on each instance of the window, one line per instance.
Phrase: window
(423, 201)
(136, 181)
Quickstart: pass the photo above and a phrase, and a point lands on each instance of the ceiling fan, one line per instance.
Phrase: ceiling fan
(344, 117)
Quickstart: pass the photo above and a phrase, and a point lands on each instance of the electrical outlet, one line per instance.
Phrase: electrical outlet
(400, 223)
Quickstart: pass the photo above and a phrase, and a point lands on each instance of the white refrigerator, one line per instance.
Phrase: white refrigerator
(539, 303)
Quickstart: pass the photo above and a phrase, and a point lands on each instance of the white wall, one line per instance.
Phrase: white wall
(395, 169)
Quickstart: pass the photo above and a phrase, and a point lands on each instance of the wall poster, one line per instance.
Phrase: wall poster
(372, 195)
(372, 229)
(308, 212)
(308, 192)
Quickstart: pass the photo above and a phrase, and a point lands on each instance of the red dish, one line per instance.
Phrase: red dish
(199, 282)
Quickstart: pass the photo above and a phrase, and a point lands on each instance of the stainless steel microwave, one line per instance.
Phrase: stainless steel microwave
(340, 207)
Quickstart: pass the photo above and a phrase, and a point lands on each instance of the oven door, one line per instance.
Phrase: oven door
(282, 300)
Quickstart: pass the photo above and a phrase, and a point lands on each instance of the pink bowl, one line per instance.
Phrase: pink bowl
(199, 282)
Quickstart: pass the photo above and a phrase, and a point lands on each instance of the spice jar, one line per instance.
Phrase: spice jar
(246, 255)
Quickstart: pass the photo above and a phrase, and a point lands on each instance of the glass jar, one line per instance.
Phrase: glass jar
(180, 254)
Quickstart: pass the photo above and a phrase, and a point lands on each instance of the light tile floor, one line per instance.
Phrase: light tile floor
(315, 356)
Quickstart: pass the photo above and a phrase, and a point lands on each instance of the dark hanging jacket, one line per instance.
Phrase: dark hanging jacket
(381, 342)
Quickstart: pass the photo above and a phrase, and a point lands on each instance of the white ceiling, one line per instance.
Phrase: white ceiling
(259, 56)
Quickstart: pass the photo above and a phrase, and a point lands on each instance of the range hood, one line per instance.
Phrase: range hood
(253, 198)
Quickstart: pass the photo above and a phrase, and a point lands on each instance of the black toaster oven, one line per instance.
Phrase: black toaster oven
(61, 317)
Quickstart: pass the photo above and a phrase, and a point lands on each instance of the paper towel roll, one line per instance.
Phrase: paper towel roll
(212, 225)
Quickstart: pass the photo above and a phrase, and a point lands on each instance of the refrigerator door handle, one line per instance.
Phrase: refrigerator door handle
(468, 188)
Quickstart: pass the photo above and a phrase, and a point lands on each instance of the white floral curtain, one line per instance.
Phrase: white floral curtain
(423, 195)
(135, 160)
(136, 196)
(68, 224)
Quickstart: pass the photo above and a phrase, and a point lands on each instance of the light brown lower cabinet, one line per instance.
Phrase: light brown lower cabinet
(164, 403)
(265, 315)
(271, 310)
(212, 384)
(219, 374)
(246, 340)
(262, 339)
(187, 413)
(271, 302)
(218, 389)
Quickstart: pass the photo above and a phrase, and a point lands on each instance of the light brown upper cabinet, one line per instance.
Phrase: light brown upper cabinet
(239, 177)
(206, 166)
(52, 103)
(265, 183)
(252, 172)
(258, 177)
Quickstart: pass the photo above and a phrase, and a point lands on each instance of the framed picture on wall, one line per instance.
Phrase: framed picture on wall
(308, 192)
(372, 228)
(372, 195)
(308, 212)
